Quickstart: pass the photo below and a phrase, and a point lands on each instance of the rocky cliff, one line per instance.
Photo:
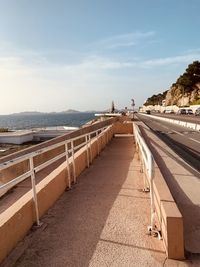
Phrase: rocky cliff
(177, 95)
(184, 92)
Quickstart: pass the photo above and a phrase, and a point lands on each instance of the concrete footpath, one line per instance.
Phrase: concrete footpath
(101, 222)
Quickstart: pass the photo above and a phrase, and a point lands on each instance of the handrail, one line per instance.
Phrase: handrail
(147, 162)
(83, 130)
(69, 152)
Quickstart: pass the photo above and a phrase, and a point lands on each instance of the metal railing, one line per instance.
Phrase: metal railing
(69, 155)
(147, 168)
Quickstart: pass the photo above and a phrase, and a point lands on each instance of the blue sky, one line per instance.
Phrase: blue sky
(82, 54)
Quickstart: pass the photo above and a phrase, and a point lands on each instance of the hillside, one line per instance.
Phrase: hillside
(185, 91)
(70, 111)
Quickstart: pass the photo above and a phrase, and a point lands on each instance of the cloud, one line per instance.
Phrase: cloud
(167, 61)
(124, 40)
(103, 63)
(38, 83)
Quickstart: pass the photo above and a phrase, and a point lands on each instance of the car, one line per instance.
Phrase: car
(197, 112)
(189, 111)
(169, 111)
(181, 111)
(148, 112)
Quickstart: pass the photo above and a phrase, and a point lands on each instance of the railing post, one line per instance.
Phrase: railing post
(68, 166)
(151, 176)
(34, 190)
(97, 138)
(73, 160)
(109, 130)
(90, 147)
(112, 130)
(148, 167)
(87, 151)
(107, 136)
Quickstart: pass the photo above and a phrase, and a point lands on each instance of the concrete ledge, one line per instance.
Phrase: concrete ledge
(123, 128)
(172, 229)
(16, 221)
(168, 217)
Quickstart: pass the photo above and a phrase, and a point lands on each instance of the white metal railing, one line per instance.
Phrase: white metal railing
(69, 153)
(147, 167)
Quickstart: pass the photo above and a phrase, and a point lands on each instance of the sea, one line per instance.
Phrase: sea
(30, 121)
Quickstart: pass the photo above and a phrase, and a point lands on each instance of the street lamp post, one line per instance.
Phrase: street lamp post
(133, 105)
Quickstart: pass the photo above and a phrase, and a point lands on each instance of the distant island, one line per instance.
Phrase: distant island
(68, 111)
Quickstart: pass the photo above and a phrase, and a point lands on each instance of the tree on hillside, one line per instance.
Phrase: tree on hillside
(156, 99)
(190, 77)
(186, 83)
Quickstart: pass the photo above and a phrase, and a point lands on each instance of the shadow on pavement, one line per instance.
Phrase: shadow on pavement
(73, 226)
(189, 210)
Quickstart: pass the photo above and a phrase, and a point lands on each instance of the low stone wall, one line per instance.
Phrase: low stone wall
(10, 173)
(123, 128)
(19, 218)
(65, 137)
(169, 220)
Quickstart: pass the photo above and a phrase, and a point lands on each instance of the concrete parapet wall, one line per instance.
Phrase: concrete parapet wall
(68, 136)
(19, 218)
(18, 169)
(123, 128)
(169, 220)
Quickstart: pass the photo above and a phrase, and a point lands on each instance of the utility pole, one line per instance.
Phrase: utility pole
(112, 107)
(133, 105)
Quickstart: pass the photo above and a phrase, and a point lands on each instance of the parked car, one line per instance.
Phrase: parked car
(148, 112)
(182, 111)
(169, 111)
(189, 111)
(197, 112)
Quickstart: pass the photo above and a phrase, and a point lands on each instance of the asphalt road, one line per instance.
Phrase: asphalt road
(184, 141)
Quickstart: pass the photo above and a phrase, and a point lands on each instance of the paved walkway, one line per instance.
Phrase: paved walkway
(101, 222)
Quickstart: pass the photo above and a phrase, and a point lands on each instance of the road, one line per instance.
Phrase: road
(184, 141)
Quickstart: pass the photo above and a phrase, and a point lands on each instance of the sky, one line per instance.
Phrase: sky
(83, 54)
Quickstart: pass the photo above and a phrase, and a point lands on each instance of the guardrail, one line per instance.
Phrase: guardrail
(191, 125)
(69, 149)
(166, 219)
(147, 167)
